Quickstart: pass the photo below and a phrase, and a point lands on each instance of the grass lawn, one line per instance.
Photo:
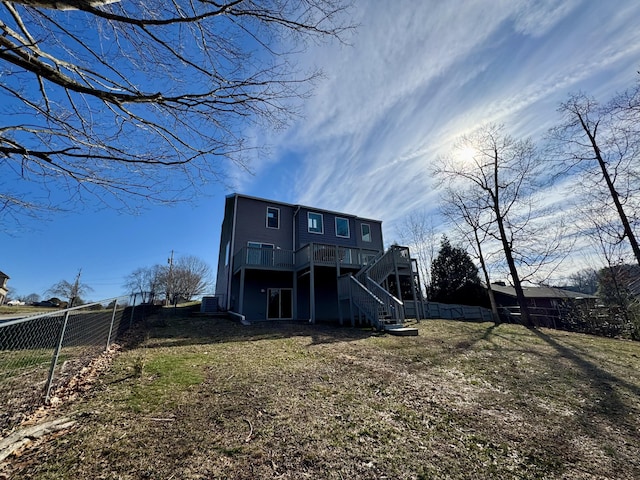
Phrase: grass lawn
(25, 310)
(209, 399)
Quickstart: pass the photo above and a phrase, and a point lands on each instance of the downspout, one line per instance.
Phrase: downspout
(231, 251)
(293, 240)
(295, 272)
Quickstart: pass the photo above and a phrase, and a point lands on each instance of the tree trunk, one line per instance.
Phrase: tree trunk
(483, 265)
(522, 301)
(614, 195)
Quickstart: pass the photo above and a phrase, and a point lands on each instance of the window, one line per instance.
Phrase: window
(314, 222)
(259, 245)
(366, 232)
(342, 227)
(273, 217)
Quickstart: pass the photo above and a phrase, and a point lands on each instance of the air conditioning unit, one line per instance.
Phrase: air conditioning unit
(209, 305)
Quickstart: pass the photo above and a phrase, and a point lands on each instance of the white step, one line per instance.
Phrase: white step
(399, 330)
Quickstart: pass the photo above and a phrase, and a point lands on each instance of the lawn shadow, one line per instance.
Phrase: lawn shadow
(186, 331)
(439, 346)
(467, 344)
(611, 404)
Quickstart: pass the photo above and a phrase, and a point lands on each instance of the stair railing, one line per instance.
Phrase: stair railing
(391, 305)
(379, 269)
(366, 301)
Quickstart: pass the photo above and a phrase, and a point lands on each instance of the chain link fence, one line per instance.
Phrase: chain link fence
(39, 354)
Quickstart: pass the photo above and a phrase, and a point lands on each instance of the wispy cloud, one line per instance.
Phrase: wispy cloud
(420, 75)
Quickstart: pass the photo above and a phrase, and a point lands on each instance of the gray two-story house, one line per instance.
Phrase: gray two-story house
(284, 261)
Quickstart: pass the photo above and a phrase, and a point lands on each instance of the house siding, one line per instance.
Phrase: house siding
(251, 225)
(376, 242)
(326, 293)
(257, 283)
(245, 220)
(226, 230)
(304, 237)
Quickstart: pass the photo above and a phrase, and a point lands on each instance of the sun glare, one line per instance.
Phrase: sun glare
(466, 154)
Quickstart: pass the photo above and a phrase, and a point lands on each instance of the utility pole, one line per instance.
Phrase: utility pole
(74, 289)
(169, 279)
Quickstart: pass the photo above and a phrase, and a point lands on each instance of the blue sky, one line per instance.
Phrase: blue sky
(412, 79)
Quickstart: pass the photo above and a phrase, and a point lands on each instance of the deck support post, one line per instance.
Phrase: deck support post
(295, 295)
(395, 269)
(312, 293)
(241, 299)
(337, 280)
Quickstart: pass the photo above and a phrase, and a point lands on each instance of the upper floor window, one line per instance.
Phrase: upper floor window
(273, 217)
(366, 232)
(268, 246)
(314, 223)
(342, 227)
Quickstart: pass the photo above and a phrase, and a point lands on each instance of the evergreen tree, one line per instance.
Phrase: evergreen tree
(454, 277)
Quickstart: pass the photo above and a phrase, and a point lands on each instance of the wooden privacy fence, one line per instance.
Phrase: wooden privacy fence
(450, 312)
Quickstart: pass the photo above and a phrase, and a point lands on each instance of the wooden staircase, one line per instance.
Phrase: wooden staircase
(380, 308)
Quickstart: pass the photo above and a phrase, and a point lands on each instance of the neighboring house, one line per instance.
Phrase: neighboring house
(284, 261)
(3, 287)
(546, 304)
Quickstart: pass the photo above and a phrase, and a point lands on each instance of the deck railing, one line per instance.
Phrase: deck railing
(319, 253)
(332, 255)
(268, 258)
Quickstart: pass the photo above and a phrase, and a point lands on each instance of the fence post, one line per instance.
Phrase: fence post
(133, 307)
(113, 316)
(54, 360)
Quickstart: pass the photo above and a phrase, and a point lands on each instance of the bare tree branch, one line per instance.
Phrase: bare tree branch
(139, 98)
(602, 144)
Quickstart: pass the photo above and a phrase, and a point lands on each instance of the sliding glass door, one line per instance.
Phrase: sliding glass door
(280, 303)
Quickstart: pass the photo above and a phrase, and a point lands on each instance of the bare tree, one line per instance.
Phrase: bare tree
(145, 281)
(467, 216)
(419, 234)
(498, 172)
(584, 280)
(603, 142)
(31, 298)
(613, 278)
(119, 100)
(186, 278)
(72, 291)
